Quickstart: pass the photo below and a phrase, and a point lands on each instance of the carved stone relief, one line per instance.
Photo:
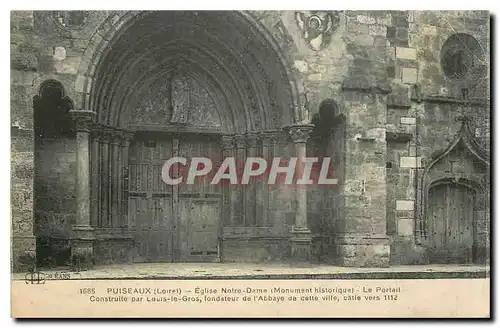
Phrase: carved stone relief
(317, 27)
(180, 100)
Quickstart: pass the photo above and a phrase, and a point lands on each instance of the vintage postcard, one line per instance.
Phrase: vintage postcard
(327, 163)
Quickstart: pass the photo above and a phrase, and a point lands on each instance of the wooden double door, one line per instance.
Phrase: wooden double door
(451, 224)
(172, 223)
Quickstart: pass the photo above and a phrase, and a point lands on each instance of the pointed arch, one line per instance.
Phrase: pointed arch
(475, 179)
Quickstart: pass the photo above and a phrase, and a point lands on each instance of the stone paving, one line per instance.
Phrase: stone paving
(266, 271)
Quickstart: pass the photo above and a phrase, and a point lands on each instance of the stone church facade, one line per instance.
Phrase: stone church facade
(398, 99)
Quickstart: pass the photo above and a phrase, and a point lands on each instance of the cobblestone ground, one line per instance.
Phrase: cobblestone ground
(265, 271)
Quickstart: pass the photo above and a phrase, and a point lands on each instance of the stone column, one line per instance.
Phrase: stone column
(227, 189)
(127, 137)
(83, 236)
(105, 178)
(115, 179)
(301, 235)
(251, 201)
(281, 198)
(176, 206)
(95, 176)
(267, 149)
(238, 202)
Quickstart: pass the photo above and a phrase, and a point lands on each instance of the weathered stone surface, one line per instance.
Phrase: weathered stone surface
(59, 53)
(410, 162)
(406, 53)
(409, 75)
(428, 29)
(24, 62)
(409, 120)
(383, 69)
(405, 227)
(405, 205)
(366, 19)
(400, 95)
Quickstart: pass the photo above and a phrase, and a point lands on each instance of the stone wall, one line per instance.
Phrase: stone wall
(55, 204)
(23, 69)
(384, 69)
(422, 115)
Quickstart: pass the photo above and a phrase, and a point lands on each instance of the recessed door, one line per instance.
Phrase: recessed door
(172, 223)
(451, 223)
(151, 218)
(199, 205)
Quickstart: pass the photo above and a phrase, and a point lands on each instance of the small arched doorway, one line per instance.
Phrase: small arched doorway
(453, 202)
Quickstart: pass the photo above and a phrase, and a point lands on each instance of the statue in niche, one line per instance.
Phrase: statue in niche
(180, 99)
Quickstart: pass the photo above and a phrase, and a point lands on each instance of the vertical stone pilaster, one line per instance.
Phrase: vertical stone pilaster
(301, 235)
(95, 176)
(227, 189)
(263, 187)
(238, 203)
(361, 232)
(119, 180)
(83, 236)
(127, 137)
(281, 199)
(176, 210)
(105, 178)
(251, 200)
(114, 189)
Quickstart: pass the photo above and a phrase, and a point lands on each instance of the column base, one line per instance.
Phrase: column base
(301, 246)
(481, 254)
(82, 248)
(355, 250)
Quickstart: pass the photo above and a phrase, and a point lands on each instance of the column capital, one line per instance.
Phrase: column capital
(252, 140)
(116, 137)
(239, 140)
(95, 130)
(107, 133)
(269, 138)
(227, 142)
(128, 135)
(300, 132)
(83, 119)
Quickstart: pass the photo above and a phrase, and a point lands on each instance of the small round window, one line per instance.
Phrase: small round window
(460, 56)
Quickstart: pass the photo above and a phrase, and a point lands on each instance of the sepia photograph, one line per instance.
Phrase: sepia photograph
(264, 163)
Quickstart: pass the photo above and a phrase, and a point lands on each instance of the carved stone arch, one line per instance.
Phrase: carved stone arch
(117, 23)
(471, 183)
(329, 109)
(287, 52)
(51, 107)
(53, 84)
(209, 79)
(472, 176)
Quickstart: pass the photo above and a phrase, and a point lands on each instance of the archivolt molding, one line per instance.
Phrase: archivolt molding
(117, 24)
